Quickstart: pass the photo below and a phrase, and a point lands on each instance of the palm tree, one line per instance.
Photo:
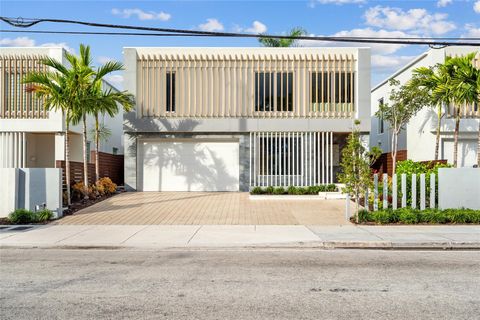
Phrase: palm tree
(465, 84)
(106, 102)
(58, 87)
(273, 42)
(434, 84)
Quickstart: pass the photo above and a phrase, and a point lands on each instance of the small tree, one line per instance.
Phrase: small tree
(405, 102)
(274, 42)
(356, 161)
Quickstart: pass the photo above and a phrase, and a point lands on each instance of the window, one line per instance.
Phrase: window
(170, 88)
(332, 87)
(114, 150)
(275, 153)
(273, 91)
(89, 147)
(380, 119)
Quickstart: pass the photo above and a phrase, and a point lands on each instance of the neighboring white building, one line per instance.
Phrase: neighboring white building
(418, 140)
(31, 137)
(229, 119)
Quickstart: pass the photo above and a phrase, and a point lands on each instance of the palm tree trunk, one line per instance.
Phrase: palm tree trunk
(67, 162)
(437, 137)
(455, 141)
(97, 149)
(85, 163)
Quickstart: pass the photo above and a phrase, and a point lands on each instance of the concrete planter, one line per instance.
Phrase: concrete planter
(332, 195)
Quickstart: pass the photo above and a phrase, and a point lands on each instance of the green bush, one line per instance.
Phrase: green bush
(257, 190)
(279, 190)
(292, 190)
(43, 215)
(414, 216)
(21, 216)
(269, 190)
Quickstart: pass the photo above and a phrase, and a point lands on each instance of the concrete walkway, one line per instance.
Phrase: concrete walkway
(200, 236)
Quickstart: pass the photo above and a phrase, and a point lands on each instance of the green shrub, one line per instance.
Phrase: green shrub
(408, 217)
(279, 190)
(269, 190)
(21, 216)
(257, 190)
(43, 215)
(292, 190)
(331, 187)
(413, 216)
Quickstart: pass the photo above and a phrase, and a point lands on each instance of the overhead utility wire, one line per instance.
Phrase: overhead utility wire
(29, 22)
(203, 35)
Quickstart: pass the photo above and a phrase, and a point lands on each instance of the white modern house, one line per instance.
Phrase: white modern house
(228, 119)
(32, 143)
(31, 137)
(417, 141)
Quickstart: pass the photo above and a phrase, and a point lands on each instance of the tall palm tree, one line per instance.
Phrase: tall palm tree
(58, 87)
(106, 102)
(463, 86)
(466, 90)
(273, 42)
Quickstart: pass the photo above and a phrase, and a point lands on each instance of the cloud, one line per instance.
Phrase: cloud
(476, 6)
(472, 31)
(367, 32)
(142, 15)
(103, 59)
(17, 42)
(340, 2)
(389, 63)
(257, 27)
(414, 20)
(443, 3)
(63, 45)
(29, 42)
(211, 25)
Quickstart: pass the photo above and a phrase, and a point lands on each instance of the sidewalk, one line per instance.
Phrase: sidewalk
(222, 236)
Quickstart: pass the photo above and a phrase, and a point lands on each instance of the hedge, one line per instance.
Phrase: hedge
(295, 190)
(415, 216)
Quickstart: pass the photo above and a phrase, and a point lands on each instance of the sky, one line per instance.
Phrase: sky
(434, 18)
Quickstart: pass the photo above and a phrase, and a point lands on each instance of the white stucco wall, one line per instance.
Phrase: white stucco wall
(459, 188)
(419, 136)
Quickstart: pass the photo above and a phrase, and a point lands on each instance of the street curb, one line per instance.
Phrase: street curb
(366, 245)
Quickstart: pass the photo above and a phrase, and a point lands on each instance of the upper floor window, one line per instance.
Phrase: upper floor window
(332, 87)
(273, 91)
(381, 128)
(170, 94)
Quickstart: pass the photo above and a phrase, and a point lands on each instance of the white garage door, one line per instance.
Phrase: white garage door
(190, 165)
(467, 152)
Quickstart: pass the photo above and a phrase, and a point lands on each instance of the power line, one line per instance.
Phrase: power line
(29, 22)
(202, 35)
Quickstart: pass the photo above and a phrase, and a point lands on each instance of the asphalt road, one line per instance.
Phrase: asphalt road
(239, 284)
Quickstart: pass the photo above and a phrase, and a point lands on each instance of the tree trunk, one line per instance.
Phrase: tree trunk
(394, 151)
(437, 137)
(67, 162)
(85, 163)
(97, 149)
(455, 141)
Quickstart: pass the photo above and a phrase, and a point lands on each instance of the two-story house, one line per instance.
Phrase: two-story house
(30, 136)
(417, 140)
(228, 119)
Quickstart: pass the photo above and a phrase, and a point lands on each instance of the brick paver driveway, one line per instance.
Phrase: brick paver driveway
(201, 208)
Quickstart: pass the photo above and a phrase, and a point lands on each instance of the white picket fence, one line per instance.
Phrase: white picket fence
(414, 203)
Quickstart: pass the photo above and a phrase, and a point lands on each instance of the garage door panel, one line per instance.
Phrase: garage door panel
(191, 166)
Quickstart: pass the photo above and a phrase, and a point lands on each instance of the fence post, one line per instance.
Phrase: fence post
(414, 191)
(375, 192)
(367, 204)
(385, 191)
(432, 190)
(404, 190)
(394, 192)
(422, 191)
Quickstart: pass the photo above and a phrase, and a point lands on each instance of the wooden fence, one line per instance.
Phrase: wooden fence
(417, 192)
